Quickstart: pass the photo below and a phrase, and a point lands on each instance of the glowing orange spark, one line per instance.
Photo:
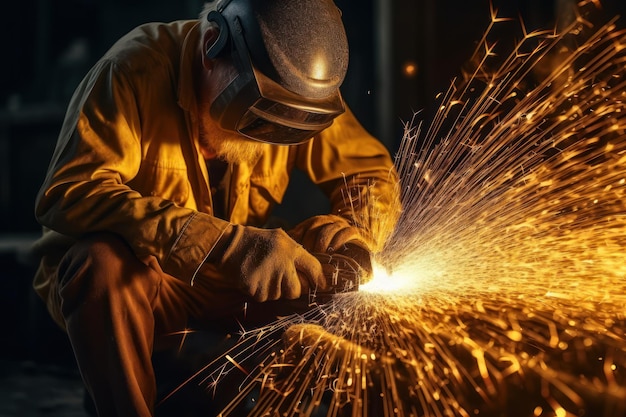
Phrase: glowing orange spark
(234, 362)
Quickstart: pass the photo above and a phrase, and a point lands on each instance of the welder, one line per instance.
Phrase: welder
(175, 148)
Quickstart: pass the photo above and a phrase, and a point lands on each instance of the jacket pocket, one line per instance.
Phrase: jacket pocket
(156, 179)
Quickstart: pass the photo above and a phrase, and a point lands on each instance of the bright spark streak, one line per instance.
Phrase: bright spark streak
(234, 362)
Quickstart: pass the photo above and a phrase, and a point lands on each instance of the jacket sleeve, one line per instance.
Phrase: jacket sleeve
(356, 172)
(97, 154)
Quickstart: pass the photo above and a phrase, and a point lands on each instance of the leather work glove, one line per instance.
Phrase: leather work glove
(338, 245)
(325, 233)
(266, 264)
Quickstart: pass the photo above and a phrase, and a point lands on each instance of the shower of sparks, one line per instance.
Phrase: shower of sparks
(503, 289)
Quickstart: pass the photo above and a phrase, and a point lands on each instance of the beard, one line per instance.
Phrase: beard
(230, 147)
(233, 148)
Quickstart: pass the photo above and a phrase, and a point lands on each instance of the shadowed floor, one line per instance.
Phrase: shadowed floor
(31, 390)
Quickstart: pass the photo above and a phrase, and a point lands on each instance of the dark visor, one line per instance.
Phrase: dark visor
(286, 118)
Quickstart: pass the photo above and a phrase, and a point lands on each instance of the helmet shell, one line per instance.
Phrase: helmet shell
(300, 44)
(306, 44)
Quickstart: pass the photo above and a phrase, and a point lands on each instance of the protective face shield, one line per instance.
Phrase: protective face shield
(291, 57)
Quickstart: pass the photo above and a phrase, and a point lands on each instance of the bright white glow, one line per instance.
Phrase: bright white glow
(386, 281)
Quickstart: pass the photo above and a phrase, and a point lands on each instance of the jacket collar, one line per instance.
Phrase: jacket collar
(186, 87)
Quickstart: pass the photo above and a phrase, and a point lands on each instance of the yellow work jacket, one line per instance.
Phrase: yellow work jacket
(128, 161)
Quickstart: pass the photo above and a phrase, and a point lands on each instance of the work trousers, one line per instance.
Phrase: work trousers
(118, 309)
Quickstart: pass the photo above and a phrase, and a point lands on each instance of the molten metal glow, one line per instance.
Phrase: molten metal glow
(502, 290)
(401, 280)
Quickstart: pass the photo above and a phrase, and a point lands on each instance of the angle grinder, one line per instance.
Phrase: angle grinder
(345, 269)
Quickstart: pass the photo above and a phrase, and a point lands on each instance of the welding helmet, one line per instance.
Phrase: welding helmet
(291, 57)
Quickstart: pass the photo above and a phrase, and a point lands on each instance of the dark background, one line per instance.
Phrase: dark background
(48, 45)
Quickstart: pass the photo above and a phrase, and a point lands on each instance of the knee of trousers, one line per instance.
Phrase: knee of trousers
(100, 269)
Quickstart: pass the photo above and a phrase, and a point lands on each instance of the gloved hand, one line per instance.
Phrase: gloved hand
(266, 264)
(325, 234)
